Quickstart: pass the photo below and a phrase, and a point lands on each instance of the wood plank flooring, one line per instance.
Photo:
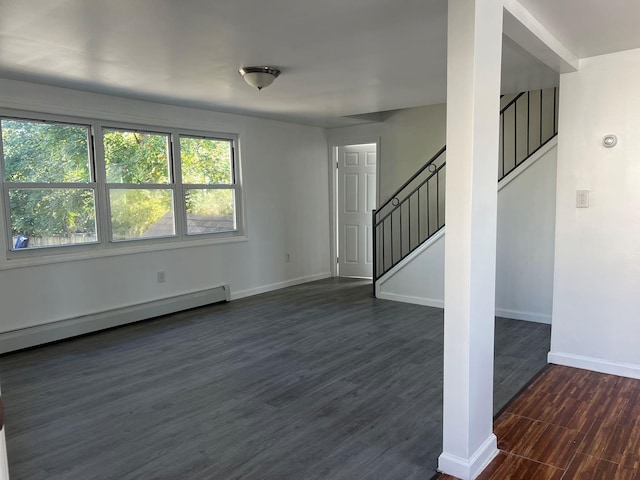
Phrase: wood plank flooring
(569, 424)
(317, 381)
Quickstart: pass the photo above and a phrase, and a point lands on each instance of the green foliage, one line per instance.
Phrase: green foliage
(135, 157)
(133, 212)
(36, 152)
(48, 212)
(205, 161)
(214, 202)
(45, 153)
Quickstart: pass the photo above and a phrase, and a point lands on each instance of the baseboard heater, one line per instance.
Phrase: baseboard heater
(51, 332)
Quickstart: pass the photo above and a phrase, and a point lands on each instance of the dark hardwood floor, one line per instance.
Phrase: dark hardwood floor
(569, 424)
(317, 381)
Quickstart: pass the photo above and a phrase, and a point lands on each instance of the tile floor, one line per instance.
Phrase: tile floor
(569, 424)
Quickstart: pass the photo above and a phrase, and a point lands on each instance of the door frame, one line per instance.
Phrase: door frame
(333, 189)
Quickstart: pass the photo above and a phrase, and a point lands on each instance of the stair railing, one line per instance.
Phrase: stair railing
(527, 123)
(415, 211)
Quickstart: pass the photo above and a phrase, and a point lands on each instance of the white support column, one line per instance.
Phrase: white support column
(473, 94)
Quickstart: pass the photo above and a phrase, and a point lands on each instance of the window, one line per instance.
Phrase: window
(139, 183)
(50, 188)
(209, 187)
(68, 184)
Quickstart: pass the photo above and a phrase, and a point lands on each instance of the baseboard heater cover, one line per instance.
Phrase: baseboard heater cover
(51, 332)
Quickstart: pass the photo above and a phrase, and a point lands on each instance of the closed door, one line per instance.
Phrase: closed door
(356, 200)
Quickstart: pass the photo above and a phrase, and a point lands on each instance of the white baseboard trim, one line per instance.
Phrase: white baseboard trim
(595, 364)
(520, 315)
(59, 330)
(427, 302)
(50, 332)
(439, 303)
(469, 469)
(276, 286)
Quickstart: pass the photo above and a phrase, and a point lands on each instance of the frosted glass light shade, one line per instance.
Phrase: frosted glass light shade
(259, 77)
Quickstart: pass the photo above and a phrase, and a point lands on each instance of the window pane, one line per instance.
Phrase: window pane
(210, 211)
(141, 213)
(205, 161)
(52, 216)
(44, 152)
(136, 157)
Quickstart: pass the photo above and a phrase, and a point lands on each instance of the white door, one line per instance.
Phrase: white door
(356, 200)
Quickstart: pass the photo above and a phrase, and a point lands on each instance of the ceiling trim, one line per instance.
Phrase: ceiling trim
(524, 29)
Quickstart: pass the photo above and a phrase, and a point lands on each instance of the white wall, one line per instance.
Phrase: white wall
(596, 307)
(285, 182)
(525, 234)
(420, 280)
(526, 231)
(408, 138)
(524, 267)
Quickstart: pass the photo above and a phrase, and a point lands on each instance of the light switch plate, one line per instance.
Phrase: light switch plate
(582, 198)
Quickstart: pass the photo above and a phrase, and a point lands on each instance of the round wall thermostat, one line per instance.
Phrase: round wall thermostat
(609, 141)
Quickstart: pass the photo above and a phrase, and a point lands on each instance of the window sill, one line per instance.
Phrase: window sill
(33, 260)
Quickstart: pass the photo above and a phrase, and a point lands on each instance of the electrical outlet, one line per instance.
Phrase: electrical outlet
(287, 258)
(161, 277)
(582, 198)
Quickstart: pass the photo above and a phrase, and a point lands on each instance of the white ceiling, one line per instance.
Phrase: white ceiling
(590, 27)
(338, 57)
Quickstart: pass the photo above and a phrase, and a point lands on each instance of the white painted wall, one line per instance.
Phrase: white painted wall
(285, 175)
(525, 234)
(420, 278)
(596, 306)
(408, 138)
(524, 275)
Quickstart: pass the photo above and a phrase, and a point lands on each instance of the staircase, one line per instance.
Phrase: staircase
(415, 212)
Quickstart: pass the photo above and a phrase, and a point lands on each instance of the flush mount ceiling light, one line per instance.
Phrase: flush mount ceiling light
(259, 77)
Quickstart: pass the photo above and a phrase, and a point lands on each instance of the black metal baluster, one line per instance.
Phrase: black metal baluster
(515, 134)
(541, 141)
(502, 139)
(401, 228)
(409, 206)
(384, 242)
(555, 125)
(528, 121)
(392, 256)
(428, 211)
(437, 199)
(419, 226)
(374, 267)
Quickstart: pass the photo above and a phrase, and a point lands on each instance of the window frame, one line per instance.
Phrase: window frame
(210, 186)
(170, 185)
(6, 187)
(105, 245)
